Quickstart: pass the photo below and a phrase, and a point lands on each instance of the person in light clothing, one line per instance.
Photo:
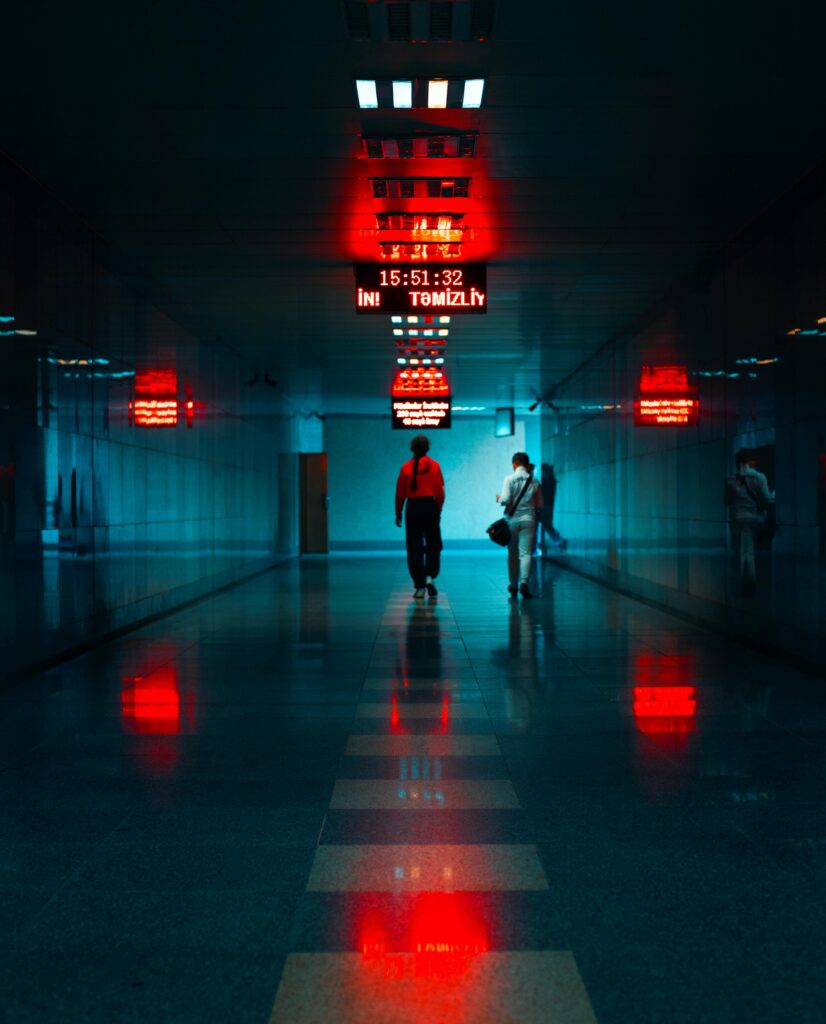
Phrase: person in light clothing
(522, 496)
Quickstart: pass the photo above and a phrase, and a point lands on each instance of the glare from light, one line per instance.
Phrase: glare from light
(444, 319)
(437, 93)
(472, 98)
(398, 332)
(443, 333)
(402, 95)
(439, 361)
(366, 89)
(28, 334)
(412, 319)
(401, 361)
(395, 319)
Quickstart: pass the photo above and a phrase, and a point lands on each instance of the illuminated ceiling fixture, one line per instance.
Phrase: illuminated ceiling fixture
(444, 319)
(443, 332)
(398, 333)
(367, 95)
(437, 93)
(395, 319)
(472, 98)
(403, 95)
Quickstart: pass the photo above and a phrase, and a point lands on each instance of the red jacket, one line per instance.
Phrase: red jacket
(429, 483)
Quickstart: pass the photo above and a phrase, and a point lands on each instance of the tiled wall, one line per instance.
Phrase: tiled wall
(103, 522)
(643, 507)
(365, 455)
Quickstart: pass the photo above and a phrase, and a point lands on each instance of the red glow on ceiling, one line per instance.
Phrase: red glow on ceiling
(671, 380)
(443, 938)
(429, 381)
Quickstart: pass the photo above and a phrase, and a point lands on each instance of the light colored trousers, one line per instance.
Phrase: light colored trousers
(520, 551)
(744, 546)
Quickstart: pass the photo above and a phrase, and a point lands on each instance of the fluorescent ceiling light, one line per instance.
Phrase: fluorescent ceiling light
(444, 319)
(412, 319)
(474, 87)
(395, 319)
(443, 332)
(398, 332)
(403, 94)
(366, 89)
(437, 93)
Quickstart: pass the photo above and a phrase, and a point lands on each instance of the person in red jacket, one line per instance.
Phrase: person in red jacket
(422, 487)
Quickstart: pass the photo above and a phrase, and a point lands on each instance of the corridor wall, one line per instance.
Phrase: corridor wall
(104, 522)
(642, 507)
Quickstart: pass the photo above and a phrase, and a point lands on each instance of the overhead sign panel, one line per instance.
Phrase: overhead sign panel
(421, 288)
(666, 398)
(421, 413)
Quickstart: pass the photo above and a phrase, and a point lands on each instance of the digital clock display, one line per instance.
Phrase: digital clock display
(421, 288)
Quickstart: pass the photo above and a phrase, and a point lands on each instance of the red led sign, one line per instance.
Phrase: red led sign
(421, 413)
(156, 399)
(666, 398)
(435, 288)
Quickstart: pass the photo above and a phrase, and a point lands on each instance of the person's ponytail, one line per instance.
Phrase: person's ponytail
(420, 447)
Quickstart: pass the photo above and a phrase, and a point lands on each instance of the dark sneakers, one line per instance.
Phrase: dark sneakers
(512, 590)
(431, 587)
(525, 590)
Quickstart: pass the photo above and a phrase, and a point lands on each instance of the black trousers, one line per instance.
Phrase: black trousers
(424, 539)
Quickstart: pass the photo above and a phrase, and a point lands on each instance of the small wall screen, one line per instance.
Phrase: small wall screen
(503, 424)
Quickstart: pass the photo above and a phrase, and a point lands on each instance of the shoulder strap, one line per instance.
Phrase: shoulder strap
(514, 505)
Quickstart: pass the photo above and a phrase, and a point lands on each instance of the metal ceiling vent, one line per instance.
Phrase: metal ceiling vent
(405, 21)
(398, 22)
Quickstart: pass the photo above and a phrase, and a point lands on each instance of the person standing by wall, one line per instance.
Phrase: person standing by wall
(748, 499)
(420, 491)
(522, 496)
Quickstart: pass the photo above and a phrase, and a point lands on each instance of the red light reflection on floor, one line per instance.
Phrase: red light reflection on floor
(444, 937)
(153, 705)
(664, 698)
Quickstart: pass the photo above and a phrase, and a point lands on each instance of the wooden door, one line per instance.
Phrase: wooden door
(313, 503)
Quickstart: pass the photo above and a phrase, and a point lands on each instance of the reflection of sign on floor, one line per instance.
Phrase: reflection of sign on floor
(421, 413)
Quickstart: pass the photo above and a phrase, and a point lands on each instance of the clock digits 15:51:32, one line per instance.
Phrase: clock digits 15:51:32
(421, 277)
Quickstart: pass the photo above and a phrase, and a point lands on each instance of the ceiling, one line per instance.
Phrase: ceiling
(218, 149)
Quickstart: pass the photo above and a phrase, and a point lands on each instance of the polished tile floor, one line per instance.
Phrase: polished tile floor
(312, 799)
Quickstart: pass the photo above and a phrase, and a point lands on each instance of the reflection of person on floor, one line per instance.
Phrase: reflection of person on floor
(420, 490)
(522, 496)
(748, 499)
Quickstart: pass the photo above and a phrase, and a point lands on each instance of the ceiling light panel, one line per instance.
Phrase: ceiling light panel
(400, 21)
(403, 95)
(366, 92)
(472, 96)
(433, 93)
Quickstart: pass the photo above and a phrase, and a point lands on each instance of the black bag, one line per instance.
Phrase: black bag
(500, 531)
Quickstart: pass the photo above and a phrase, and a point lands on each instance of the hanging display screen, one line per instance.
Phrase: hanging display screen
(421, 413)
(422, 288)
(665, 398)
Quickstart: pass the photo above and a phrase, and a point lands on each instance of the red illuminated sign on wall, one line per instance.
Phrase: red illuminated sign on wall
(156, 399)
(435, 288)
(666, 398)
(421, 413)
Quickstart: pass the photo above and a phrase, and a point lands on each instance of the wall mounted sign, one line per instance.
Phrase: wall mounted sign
(421, 288)
(421, 413)
(156, 399)
(666, 398)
